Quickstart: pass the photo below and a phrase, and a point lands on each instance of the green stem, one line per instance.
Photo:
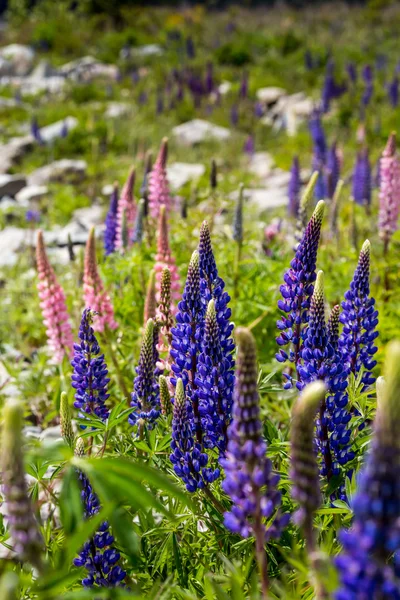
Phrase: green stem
(217, 504)
(114, 359)
(236, 272)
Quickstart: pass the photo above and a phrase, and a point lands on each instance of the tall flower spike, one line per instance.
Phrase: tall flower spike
(367, 567)
(389, 193)
(159, 193)
(164, 314)
(164, 258)
(138, 229)
(360, 319)
(150, 302)
(308, 194)
(213, 175)
(127, 207)
(333, 327)
(362, 179)
(249, 479)
(334, 212)
(65, 421)
(146, 392)
(144, 188)
(237, 229)
(215, 379)
(165, 398)
(94, 293)
(190, 463)
(89, 376)
(24, 531)
(304, 467)
(294, 188)
(332, 170)
(186, 342)
(53, 305)
(297, 290)
(110, 231)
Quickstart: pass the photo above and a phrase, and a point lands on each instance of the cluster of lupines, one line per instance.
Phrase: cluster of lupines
(53, 305)
(368, 565)
(159, 193)
(362, 179)
(360, 319)
(126, 213)
(110, 230)
(389, 193)
(164, 259)
(94, 294)
(90, 372)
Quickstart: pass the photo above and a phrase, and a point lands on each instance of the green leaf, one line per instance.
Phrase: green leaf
(128, 540)
(178, 560)
(71, 509)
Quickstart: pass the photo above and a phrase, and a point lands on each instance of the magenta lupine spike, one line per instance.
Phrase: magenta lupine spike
(164, 259)
(126, 210)
(159, 193)
(389, 194)
(94, 293)
(53, 305)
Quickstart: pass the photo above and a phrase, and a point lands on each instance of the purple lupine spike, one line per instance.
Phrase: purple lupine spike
(258, 110)
(332, 170)
(110, 231)
(381, 62)
(393, 91)
(234, 115)
(215, 379)
(332, 327)
(160, 103)
(249, 479)
(89, 376)
(297, 290)
(366, 566)
(352, 72)
(317, 135)
(209, 81)
(360, 319)
(367, 75)
(294, 188)
(146, 391)
(317, 166)
(244, 86)
(35, 131)
(190, 48)
(190, 463)
(249, 145)
(389, 192)
(186, 342)
(362, 179)
(328, 91)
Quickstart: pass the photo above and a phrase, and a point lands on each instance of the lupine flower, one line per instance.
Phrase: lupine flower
(26, 539)
(369, 85)
(98, 555)
(138, 229)
(33, 216)
(190, 463)
(164, 313)
(317, 135)
(298, 289)
(237, 229)
(209, 82)
(249, 146)
(367, 568)
(294, 188)
(360, 318)
(110, 231)
(215, 379)
(148, 163)
(332, 170)
(89, 376)
(244, 86)
(389, 193)
(352, 72)
(190, 49)
(94, 293)
(35, 131)
(53, 305)
(213, 175)
(332, 327)
(329, 89)
(165, 398)
(258, 110)
(362, 179)
(234, 115)
(249, 479)
(164, 258)
(126, 206)
(393, 91)
(304, 467)
(146, 392)
(150, 302)
(186, 342)
(159, 193)
(67, 432)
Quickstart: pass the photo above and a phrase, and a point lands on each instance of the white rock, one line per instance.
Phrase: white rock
(264, 198)
(32, 431)
(7, 203)
(261, 164)
(21, 57)
(198, 130)
(13, 150)
(278, 178)
(11, 240)
(10, 185)
(107, 190)
(117, 109)
(270, 95)
(31, 193)
(55, 130)
(180, 173)
(77, 67)
(51, 433)
(224, 87)
(89, 216)
(147, 50)
(5, 67)
(74, 230)
(58, 170)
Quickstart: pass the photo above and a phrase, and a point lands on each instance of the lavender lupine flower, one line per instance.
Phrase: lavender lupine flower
(367, 76)
(258, 110)
(368, 565)
(393, 91)
(110, 232)
(352, 72)
(328, 91)
(146, 393)
(362, 179)
(244, 86)
(26, 539)
(360, 319)
(35, 131)
(317, 135)
(389, 193)
(190, 463)
(249, 146)
(215, 379)
(237, 228)
(138, 228)
(332, 170)
(186, 342)
(89, 376)
(249, 479)
(234, 116)
(294, 188)
(297, 290)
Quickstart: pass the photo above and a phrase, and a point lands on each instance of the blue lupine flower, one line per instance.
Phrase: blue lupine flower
(362, 179)
(297, 290)
(360, 319)
(328, 91)
(190, 463)
(215, 379)
(294, 188)
(186, 342)
(249, 479)
(234, 116)
(110, 232)
(393, 91)
(190, 48)
(146, 391)
(352, 72)
(237, 229)
(317, 135)
(90, 372)
(333, 327)
(367, 75)
(332, 170)
(368, 565)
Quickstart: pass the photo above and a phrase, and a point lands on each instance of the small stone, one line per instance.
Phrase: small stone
(198, 130)
(10, 185)
(261, 164)
(56, 130)
(146, 50)
(59, 170)
(180, 173)
(89, 216)
(270, 95)
(31, 193)
(115, 110)
(21, 57)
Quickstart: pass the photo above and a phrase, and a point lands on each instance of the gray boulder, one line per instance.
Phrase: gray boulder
(10, 185)
(59, 170)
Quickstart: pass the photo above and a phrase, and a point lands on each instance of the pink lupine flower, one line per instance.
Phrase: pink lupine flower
(53, 305)
(159, 193)
(94, 294)
(126, 210)
(164, 258)
(389, 194)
